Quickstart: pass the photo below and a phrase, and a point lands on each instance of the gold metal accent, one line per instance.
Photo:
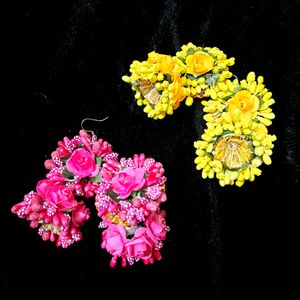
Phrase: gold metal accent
(233, 151)
(148, 91)
(116, 220)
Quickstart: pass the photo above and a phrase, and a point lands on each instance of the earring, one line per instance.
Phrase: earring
(236, 141)
(128, 194)
(162, 82)
(73, 171)
(128, 201)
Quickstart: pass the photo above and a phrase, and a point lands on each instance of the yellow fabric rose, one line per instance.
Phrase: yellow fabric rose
(261, 129)
(166, 63)
(199, 63)
(178, 93)
(243, 106)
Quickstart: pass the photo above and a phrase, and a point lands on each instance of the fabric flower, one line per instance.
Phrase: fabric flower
(156, 226)
(82, 163)
(165, 62)
(140, 246)
(128, 180)
(114, 238)
(243, 106)
(80, 214)
(199, 63)
(56, 194)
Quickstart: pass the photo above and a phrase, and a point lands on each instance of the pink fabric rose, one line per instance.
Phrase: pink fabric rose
(114, 238)
(82, 163)
(80, 214)
(139, 246)
(56, 195)
(156, 226)
(128, 180)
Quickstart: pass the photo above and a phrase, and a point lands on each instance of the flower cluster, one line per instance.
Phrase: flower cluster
(128, 194)
(74, 170)
(162, 82)
(128, 201)
(236, 141)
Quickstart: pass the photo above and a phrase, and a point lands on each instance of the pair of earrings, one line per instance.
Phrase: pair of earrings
(128, 193)
(237, 113)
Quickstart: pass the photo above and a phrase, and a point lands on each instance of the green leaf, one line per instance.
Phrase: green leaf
(96, 179)
(113, 196)
(99, 160)
(182, 59)
(228, 97)
(168, 77)
(211, 78)
(190, 51)
(67, 174)
(192, 77)
(65, 158)
(134, 194)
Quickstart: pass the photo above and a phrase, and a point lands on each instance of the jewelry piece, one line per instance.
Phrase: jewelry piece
(162, 82)
(236, 141)
(73, 171)
(128, 194)
(128, 200)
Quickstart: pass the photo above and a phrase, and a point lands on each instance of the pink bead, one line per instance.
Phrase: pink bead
(34, 224)
(56, 220)
(16, 207)
(124, 262)
(48, 219)
(52, 236)
(133, 222)
(113, 261)
(64, 219)
(122, 215)
(157, 255)
(46, 235)
(136, 202)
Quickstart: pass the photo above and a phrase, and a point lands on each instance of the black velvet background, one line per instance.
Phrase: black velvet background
(66, 59)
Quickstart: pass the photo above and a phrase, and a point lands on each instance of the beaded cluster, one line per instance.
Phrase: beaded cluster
(127, 192)
(236, 141)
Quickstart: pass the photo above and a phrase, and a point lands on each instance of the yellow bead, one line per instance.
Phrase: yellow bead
(170, 110)
(259, 151)
(137, 95)
(227, 117)
(231, 61)
(239, 183)
(126, 79)
(160, 77)
(256, 162)
(267, 96)
(213, 94)
(201, 80)
(139, 102)
(211, 174)
(267, 160)
(222, 86)
(251, 77)
(147, 109)
(260, 79)
(204, 174)
(189, 101)
(222, 183)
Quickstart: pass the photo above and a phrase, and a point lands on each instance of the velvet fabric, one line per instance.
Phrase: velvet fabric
(66, 59)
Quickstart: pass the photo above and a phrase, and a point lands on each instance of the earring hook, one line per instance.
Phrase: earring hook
(94, 120)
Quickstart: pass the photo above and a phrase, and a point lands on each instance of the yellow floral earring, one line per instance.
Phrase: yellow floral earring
(236, 141)
(162, 82)
(237, 113)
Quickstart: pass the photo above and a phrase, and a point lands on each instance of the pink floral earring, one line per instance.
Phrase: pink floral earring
(128, 194)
